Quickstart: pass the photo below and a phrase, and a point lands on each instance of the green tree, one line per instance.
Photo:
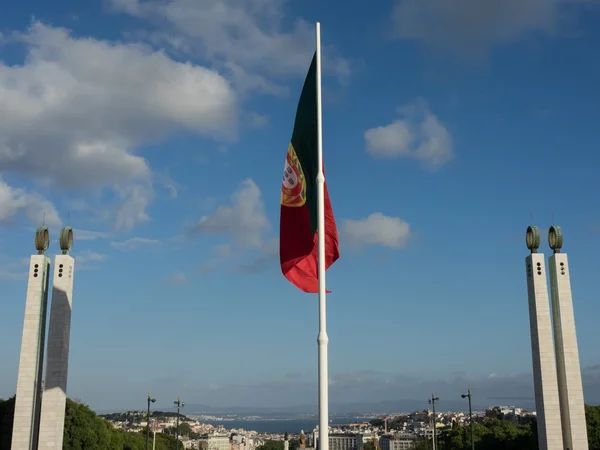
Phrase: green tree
(7, 413)
(369, 445)
(380, 423)
(271, 445)
(84, 430)
(492, 435)
(592, 418)
(422, 444)
(184, 429)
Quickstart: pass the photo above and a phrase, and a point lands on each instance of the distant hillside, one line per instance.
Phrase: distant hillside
(136, 416)
(339, 409)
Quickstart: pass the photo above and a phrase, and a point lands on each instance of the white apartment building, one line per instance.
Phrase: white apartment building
(239, 442)
(400, 442)
(346, 441)
(214, 442)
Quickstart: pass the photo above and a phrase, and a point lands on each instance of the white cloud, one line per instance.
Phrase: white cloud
(177, 278)
(173, 193)
(271, 247)
(134, 202)
(244, 219)
(222, 251)
(206, 267)
(244, 223)
(14, 201)
(269, 255)
(240, 35)
(389, 140)
(377, 229)
(74, 113)
(473, 27)
(417, 134)
(134, 243)
(7, 273)
(87, 256)
(168, 184)
(87, 235)
(15, 270)
(85, 259)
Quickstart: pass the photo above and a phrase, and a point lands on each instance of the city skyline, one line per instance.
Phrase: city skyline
(173, 138)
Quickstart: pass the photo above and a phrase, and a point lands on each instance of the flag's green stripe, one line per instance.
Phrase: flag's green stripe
(304, 140)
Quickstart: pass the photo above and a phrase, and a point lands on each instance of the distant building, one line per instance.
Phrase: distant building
(421, 416)
(397, 442)
(499, 412)
(345, 441)
(238, 442)
(516, 415)
(214, 442)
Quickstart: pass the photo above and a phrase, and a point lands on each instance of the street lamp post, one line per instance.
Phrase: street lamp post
(179, 404)
(150, 400)
(468, 395)
(432, 403)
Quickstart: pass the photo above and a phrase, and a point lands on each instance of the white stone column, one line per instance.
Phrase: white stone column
(52, 422)
(28, 399)
(542, 349)
(570, 389)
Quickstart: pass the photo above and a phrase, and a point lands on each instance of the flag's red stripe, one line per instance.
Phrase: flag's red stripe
(300, 252)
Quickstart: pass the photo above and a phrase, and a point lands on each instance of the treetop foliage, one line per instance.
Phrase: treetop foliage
(84, 430)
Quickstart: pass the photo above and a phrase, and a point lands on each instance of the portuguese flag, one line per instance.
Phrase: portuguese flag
(298, 236)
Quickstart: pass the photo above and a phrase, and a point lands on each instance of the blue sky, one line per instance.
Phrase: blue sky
(446, 128)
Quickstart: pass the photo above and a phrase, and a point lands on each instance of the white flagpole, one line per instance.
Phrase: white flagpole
(322, 340)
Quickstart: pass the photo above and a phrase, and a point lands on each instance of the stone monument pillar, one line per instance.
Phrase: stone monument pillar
(542, 348)
(570, 390)
(52, 421)
(29, 380)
